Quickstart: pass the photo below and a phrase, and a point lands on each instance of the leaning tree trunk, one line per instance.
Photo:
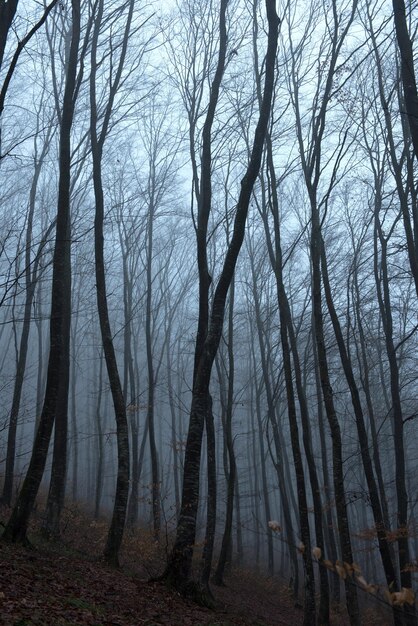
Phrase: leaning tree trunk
(328, 396)
(7, 14)
(179, 564)
(115, 535)
(381, 529)
(16, 528)
(287, 328)
(285, 487)
(385, 307)
(31, 280)
(409, 82)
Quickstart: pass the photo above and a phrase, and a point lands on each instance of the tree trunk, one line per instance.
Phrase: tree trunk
(180, 560)
(379, 520)
(383, 296)
(338, 470)
(31, 279)
(155, 479)
(207, 554)
(287, 328)
(16, 528)
(229, 442)
(409, 82)
(115, 535)
(328, 504)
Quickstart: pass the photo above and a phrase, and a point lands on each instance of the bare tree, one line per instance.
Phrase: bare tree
(179, 565)
(8, 10)
(99, 127)
(58, 364)
(409, 82)
(312, 166)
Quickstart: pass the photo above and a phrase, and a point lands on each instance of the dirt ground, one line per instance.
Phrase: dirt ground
(67, 584)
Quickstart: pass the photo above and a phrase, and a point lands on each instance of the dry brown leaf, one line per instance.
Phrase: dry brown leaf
(340, 569)
(317, 553)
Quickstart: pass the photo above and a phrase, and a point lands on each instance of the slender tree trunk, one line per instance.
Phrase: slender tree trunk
(129, 385)
(115, 535)
(409, 82)
(383, 296)
(60, 309)
(287, 327)
(31, 280)
(180, 560)
(339, 490)
(379, 520)
(174, 433)
(278, 458)
(99, 447)
(207, 555)
(155, 478)
(328, 496)
(328, 499)
(411, 105)
(74, 425)
(232, 473)
(365, 382)
(266, 497)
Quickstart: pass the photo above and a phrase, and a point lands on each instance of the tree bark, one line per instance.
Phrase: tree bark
(409, 82)
(16, 528)
(179, 564)
(229, 442)
(31, 280)
(115, 535)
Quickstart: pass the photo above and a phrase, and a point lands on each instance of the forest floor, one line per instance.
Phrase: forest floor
(64, 584)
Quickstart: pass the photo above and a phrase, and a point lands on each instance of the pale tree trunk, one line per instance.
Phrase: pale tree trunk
(155, 478)
(130, 369)
(74, 425)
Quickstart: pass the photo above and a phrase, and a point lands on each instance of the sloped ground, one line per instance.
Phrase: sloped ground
(67, 584)
(48, 589)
